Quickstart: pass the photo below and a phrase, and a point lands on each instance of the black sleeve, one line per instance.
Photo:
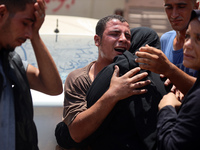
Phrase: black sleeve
(182, 130)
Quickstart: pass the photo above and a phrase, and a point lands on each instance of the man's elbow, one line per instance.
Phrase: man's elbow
(75, 136)
(56, 91)
(77, 139)
(53, 89)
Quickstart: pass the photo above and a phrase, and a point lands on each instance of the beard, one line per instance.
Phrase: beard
(4, 52)
(7, 49)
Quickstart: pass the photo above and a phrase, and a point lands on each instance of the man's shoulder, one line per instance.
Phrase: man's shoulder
(168, 34)
(166, 40)
(79, 73)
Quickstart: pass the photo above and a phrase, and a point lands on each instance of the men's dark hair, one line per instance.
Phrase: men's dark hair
(101, 24)
(14, 6)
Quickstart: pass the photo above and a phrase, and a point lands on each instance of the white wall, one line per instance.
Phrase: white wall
(95, 8)
(83, 8)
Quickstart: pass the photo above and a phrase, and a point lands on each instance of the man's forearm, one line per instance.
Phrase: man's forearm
(48, 73)
(88, 121)
(180, 79)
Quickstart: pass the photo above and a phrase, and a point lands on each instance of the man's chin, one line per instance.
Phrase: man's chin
(178, 27)
(8, 49)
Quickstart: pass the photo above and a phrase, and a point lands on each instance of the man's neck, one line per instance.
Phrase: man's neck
(179, 40)
(95, 69)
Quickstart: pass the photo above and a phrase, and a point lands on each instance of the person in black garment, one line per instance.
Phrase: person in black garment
(119, 118)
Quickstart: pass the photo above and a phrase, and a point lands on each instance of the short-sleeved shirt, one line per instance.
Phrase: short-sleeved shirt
(76, 86)
(174, 56)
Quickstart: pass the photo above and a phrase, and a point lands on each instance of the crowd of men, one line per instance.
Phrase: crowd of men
(141, 92)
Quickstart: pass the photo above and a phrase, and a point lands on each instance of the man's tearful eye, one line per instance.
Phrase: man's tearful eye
(120, 49)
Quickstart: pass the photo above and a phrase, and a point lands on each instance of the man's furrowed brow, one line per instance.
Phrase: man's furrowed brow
(115, 30)
(177, 4)
(181, 3)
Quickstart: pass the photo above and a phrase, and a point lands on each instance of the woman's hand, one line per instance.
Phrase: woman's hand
(169, 99)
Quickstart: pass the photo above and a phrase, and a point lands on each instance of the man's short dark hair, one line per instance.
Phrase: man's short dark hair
(14, 6)
(101, 24)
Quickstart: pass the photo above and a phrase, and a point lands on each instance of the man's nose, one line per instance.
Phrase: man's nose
(122, 37)
(28, 33)
(175, 13)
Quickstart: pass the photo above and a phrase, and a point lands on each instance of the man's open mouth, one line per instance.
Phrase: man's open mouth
(120, 50)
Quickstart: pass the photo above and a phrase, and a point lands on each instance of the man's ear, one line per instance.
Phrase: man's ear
(3, 11)
(97, 40)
